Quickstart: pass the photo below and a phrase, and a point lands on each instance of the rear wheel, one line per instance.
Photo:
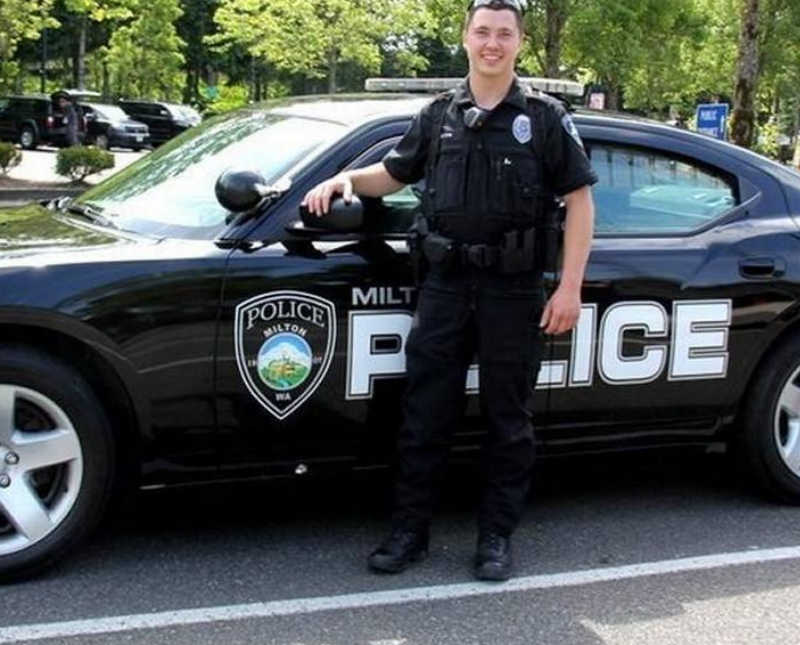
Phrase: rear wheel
(770, 439)
(27, 138)
(56, 460)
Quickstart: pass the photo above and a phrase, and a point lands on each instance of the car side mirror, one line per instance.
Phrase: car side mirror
(341, 218)
(240, 190)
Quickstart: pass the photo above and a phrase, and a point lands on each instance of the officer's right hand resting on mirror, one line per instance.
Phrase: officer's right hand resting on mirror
(372, 181)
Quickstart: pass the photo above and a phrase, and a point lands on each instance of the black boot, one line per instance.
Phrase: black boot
(493, 559)
(399, 550)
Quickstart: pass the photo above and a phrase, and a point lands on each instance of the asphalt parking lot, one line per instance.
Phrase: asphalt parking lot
(658, 549)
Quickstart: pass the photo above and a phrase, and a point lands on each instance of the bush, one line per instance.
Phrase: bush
(78, 162)
(9, 157)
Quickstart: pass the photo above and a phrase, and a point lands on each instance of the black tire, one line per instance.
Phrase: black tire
(27, 137)
(768, 427)
(44, 387)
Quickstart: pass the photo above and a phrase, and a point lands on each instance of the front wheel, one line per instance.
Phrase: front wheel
(770, 439)
(27, 138)
(56, 460)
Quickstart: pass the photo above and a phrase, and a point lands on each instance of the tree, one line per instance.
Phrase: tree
(144, 54)
(195, 23)
(544, 24)
(97, 11)
(747, 72)
(620, 40)
(20, 20)
(315, 37)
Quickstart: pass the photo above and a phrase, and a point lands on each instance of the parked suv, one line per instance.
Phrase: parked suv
(109, 125)
(36, 119)
(165, 120)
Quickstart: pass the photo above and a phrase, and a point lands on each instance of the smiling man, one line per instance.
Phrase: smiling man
(493, 154)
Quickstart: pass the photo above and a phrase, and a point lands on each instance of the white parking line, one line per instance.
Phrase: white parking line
(295, 606)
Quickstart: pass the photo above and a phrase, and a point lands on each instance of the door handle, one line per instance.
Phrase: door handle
(762, 268)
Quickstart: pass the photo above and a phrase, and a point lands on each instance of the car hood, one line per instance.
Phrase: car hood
(34, 230)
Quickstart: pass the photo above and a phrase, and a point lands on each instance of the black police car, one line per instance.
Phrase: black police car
(109, 125)
(36, 119)
(150, 336)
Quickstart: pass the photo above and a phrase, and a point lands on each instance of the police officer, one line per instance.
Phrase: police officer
(491, 152)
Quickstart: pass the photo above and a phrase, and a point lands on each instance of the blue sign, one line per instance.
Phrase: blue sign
(712, 118)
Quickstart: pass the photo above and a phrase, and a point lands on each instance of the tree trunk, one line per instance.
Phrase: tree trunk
(613, 97)
(106, 81)
(747, 71)
(81, 61)
(332, 58)
(556, 17)
(796, 158)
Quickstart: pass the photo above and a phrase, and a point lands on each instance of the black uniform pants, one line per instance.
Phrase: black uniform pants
(459, 314)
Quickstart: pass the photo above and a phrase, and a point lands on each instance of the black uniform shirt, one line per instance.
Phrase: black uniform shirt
(484, 178)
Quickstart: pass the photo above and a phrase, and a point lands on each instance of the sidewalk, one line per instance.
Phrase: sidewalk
(35, 178)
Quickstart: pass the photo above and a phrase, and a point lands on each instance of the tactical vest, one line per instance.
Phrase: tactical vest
(493, 179)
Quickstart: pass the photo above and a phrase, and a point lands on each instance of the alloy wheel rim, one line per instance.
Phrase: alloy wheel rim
(786, 423)
(41, 467)
(27, 138)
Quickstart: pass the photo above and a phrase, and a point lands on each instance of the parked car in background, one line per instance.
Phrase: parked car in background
(109, 125)
(36, 119)
(165, 120)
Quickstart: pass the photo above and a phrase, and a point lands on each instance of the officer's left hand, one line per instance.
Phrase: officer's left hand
(561, 311)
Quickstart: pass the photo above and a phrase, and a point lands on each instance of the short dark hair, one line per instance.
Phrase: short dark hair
(499, 5)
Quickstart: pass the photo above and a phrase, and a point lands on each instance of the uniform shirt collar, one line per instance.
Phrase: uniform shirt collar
(517, 95)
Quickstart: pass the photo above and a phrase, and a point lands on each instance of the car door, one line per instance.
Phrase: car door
(671, 296)
(292, 351)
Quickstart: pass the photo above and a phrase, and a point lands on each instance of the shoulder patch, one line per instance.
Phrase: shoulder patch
(569, 125)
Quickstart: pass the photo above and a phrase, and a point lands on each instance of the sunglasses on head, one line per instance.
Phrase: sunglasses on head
(516, 5)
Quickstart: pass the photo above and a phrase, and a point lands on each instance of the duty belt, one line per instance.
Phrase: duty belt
(515, 254)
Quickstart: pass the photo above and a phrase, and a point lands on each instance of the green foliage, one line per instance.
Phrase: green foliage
(144, 54)
(314, 37)
(20, 20)
(230, 97)
(78, 162)
(767, 139)
(9, 157)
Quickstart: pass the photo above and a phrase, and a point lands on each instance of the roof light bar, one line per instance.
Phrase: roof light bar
(551, 85)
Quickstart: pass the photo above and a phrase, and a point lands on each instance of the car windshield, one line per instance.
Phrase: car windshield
(170, 192)
(183, 112)
(110, 112)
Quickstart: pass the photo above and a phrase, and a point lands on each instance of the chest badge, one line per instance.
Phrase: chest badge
(522, 129)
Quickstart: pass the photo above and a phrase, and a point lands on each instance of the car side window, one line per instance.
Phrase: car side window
(642, 191)
(400, 208)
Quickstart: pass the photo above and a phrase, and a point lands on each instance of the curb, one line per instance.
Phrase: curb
(22, 196)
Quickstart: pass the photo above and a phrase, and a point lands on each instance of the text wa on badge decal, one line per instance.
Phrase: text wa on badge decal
(284, 346)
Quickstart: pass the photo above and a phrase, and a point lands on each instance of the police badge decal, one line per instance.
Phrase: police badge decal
(285, 342)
